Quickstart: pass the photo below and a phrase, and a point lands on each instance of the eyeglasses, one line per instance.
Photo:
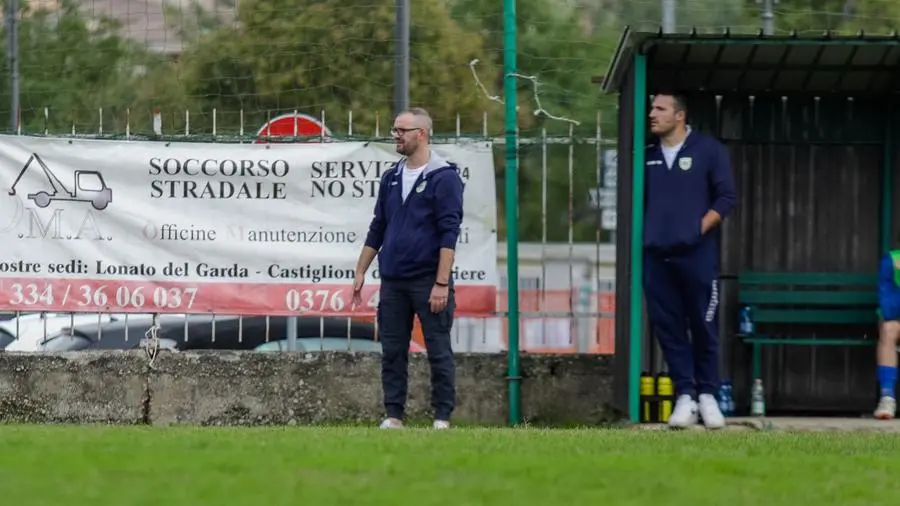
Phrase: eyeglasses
(401, 131)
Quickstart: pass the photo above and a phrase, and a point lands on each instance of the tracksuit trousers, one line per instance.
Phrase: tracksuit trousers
(681, 290)
(400, 301)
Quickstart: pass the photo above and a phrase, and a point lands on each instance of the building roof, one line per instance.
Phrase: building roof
(726, 62)
(154, 23)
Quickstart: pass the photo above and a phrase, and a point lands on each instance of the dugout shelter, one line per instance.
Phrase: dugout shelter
(810, 124)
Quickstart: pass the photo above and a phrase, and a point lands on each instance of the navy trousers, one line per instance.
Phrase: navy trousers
(399, 301)
(682, 294)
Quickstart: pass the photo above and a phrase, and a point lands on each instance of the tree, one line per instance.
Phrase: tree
(73, 69)
(562, 53)
(704, 15)
(848, 16)
(331, 55)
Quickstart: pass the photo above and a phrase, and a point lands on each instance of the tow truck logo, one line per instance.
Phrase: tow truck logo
(88, 186)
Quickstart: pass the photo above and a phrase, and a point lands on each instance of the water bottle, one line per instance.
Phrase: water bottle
(731, 406)
(757, 399)
(726, 399)
(746, 321)
(665, 390)
(648, 398)
(723, 397)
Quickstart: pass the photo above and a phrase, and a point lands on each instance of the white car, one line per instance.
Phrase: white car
(32, 329)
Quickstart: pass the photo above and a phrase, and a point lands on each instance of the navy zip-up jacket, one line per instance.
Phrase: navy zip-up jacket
(676, 198)
(409, 235)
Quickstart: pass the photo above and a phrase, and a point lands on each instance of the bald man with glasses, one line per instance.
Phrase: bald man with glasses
(413, 232)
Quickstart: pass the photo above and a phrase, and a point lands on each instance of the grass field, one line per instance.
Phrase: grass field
(124, 466)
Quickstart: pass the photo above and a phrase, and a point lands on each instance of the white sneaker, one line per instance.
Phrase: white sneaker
(710, 412)
(684, 414)
(391, 423)
(441, 424)
(887, 408)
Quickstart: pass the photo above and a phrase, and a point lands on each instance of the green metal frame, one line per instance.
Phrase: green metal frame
(829, 306)
(770, 41)
(637, 234)
(512, 209)
(633, 41)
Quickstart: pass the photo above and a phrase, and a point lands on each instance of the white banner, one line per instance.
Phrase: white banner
(99, 225)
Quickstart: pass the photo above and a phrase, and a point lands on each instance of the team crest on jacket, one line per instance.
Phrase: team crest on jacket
(685, 163)
(421, 187)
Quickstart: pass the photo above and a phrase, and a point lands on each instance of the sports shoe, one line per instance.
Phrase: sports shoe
(684, 414)
(391, 423)
(887, 408)
(441, 424)
(710, 412)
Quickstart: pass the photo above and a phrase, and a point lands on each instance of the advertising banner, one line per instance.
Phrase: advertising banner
(253, 229)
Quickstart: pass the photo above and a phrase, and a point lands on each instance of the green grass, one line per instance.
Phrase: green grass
(127, 466)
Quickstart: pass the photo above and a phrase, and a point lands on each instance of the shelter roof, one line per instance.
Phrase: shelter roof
(756, 63)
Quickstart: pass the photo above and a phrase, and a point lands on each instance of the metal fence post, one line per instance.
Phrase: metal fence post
(512, 207)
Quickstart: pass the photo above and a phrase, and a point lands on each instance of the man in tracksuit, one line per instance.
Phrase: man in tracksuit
(689, 190)
(414, 232)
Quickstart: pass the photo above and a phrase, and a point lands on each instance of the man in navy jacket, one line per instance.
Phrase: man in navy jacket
(689, 190)
(414, 232)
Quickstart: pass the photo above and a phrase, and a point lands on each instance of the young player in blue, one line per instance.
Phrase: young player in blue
(689, 191)
(889, 307)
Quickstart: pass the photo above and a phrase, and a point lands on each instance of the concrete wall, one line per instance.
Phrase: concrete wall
(247, 388)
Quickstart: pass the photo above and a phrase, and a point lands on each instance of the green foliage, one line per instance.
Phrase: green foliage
(278, 56)
(704, 15)
(312, 56)
(71, 84)
(844, 16)
(563, 54)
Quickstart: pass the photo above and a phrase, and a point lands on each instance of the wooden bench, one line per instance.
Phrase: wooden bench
(808, 309)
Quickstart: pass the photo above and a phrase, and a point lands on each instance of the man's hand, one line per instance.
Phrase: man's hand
(710, 220)
(362, 265)
(438, 298)
(358, 283)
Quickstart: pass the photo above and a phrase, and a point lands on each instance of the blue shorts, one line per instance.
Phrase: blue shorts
(889, 303)
(890, 312)
(888, 291)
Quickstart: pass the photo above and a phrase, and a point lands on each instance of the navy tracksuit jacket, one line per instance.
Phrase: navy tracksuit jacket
(681, 265)
(408, 236)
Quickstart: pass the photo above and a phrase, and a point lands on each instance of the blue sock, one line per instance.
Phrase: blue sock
(887, 378)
